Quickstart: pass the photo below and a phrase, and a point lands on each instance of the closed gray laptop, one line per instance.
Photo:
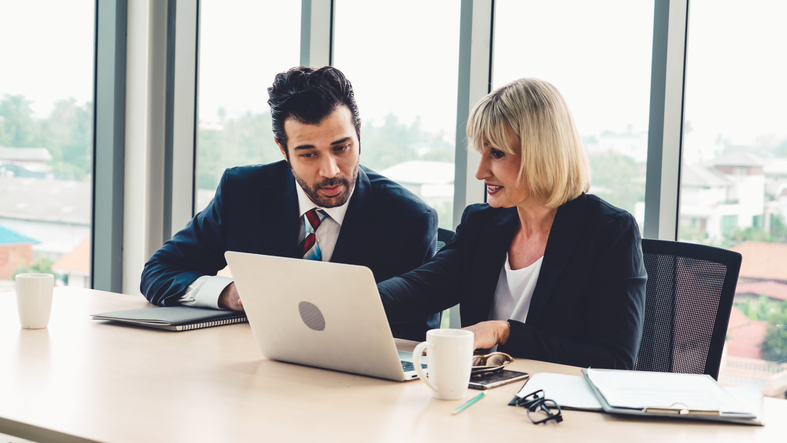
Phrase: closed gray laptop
(314, 313)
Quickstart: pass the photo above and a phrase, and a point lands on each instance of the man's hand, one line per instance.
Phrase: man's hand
(489, 333)
(229, 298)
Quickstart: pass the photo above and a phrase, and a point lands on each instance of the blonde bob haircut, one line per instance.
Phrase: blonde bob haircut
(529, 117)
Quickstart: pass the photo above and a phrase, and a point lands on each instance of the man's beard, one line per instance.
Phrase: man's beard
(330, 202)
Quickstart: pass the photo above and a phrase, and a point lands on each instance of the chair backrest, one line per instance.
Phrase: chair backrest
(443, 236)
(688, 301)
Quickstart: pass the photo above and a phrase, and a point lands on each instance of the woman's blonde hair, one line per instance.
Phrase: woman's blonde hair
(529, 117)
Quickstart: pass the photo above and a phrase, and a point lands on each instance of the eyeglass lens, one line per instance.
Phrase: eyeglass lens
(543, 411)
(493, 359)
(539, 408)
(531, 399)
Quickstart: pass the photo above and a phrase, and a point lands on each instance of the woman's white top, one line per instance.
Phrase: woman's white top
(514, 291)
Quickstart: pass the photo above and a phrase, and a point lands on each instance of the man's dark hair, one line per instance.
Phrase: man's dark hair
(309, 95)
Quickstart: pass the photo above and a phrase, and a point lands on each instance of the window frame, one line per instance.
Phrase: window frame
(174, 203)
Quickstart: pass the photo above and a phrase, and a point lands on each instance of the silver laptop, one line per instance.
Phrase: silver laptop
(321, 314)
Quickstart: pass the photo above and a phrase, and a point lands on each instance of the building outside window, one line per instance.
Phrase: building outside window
(598, 55)
(46, 139)
(406, 87)
(734, 177)
(242, 46)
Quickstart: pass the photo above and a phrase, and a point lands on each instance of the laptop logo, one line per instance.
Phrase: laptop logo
(311, 315)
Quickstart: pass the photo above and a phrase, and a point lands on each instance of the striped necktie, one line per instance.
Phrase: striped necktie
(309, 248)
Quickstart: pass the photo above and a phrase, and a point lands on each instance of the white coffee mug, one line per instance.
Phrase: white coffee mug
(449, 353)
(34, 299)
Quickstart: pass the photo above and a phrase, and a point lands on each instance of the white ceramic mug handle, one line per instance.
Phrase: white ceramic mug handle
(417, 363)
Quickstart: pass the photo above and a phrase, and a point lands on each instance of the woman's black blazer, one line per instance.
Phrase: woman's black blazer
(588, 304)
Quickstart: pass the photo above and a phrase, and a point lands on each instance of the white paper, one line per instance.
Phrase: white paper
(751, 396)
(569, 391)
(641, 389)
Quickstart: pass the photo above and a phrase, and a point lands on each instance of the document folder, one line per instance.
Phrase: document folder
(664, 394)
(174, 318)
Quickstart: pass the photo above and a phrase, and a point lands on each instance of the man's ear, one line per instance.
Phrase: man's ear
(283, 150)
(359, 136)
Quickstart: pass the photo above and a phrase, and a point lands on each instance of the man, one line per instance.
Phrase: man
(317, 203)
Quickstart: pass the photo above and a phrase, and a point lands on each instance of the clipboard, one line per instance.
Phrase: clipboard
(672, 395)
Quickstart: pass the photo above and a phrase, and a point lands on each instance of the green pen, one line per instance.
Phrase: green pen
(469, 402)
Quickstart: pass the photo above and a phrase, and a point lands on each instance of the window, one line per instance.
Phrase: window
(729, 223)
(243, 45)
(46, 139)
(734, 167)
(598, 55)
(403, 67)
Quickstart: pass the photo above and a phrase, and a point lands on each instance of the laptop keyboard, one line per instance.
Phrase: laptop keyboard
(408, 365)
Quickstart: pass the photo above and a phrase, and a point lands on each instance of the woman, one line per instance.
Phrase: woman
(543, 270)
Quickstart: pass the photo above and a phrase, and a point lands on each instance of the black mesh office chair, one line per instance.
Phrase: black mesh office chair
(687, 309)
(443, 235)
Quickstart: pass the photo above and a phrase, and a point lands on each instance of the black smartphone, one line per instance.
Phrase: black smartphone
(493, 379)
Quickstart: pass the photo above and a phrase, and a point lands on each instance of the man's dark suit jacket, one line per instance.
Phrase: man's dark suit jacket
(588, 304)
(255, 209)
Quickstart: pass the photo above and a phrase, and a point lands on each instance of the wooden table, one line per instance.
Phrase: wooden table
(84, 380)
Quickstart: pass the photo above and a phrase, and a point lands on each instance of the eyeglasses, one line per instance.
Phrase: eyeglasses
(491, 362)
(539, 408)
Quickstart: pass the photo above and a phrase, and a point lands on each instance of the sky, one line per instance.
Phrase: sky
(47, 51)
(403, 59)
(600, 61)
(238, 56)
(736, 68)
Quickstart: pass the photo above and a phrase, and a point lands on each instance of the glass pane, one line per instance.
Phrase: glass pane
(598, 55)
(401, 58)
(734, 178)
(243, 45)
(46, 139)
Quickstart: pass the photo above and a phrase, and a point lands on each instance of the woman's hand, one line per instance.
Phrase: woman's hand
(489, 333)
